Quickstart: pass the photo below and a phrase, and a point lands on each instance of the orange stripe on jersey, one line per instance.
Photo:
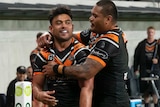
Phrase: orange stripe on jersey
(57, 61)
(37, 73)
(150, 48)
(78, 37)
(76, 47)
(97, 59)
(45, 54)
(68, 62)
(112, 37)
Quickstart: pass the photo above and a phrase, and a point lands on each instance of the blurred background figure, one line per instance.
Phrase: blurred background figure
(21, 76)
(146, 63)
(29, 73)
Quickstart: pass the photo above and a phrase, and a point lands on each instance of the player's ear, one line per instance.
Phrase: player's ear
(50, 28)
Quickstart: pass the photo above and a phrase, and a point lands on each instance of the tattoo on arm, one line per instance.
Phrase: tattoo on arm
(86, 70)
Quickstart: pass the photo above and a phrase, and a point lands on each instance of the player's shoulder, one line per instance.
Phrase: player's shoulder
(36, 50)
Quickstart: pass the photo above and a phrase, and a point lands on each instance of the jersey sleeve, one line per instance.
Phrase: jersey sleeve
(38, 60)
(105, 48)
(37, 63)
(84, 36)
(81, 55)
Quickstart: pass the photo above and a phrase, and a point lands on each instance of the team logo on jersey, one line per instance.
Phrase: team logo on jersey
(102, 45)
(71, 58)
(99, 52)
(86, 33)
(51, 57)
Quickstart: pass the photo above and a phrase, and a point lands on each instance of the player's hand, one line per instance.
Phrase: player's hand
(137, 74)
(48, 69)
(44, 40)
(47, 98)
(155, 60)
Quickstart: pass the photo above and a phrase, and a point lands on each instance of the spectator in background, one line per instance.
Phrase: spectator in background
(146, 62)
(21, 76)
(29, 73)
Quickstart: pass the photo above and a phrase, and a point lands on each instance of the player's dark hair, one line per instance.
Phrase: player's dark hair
(108, 8)
(59, 10)
(38, 34)
(150, 27)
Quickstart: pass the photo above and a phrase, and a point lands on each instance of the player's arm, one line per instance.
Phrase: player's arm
(85, 85)
(38, 76)
(137, 57)
(86, 70)
(38, 82)
(39, 94)
(86, 92)
(83, 36)
(103, 50)
(95, 62)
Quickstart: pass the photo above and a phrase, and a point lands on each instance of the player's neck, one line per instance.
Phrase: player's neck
(150, 40)
(61, 46)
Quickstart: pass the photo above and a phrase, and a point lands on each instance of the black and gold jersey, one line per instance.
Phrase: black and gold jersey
(109, 49)
(67, 88)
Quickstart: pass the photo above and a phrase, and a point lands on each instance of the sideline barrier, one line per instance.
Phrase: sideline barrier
(23, 94)
(135, 102)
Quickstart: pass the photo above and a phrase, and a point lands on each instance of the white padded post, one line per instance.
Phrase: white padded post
(23, 94)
